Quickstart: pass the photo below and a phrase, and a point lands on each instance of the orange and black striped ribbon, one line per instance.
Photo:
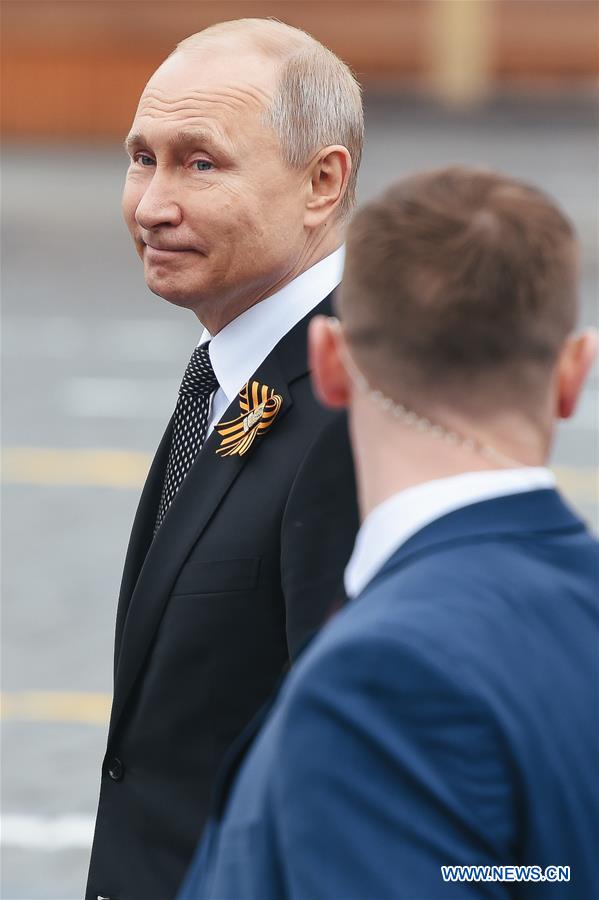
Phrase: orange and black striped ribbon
(259, 406)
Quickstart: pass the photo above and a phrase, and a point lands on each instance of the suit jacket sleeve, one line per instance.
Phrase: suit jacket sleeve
(388, 770)
(317, 534)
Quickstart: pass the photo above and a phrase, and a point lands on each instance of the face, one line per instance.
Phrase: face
(216, 214)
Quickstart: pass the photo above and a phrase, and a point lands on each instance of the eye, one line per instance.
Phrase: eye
(203, 165)
(143, 159)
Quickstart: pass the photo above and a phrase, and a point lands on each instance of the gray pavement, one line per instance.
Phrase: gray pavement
(91, 362)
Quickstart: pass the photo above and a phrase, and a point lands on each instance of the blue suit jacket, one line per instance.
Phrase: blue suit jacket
(447, 716)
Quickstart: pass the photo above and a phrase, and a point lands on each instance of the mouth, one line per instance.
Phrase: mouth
(158, 253)
(166, 248)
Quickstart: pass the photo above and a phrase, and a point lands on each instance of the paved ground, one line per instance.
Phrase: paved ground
(91, 367)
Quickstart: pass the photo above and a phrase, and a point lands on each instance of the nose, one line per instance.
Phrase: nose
(157, 205)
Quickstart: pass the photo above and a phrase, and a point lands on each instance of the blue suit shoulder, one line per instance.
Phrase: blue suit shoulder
(440, 705)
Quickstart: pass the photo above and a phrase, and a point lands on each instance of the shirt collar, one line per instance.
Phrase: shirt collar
(396, 519)
(238, 350)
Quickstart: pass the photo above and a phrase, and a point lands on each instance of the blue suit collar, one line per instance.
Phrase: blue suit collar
(514, 515)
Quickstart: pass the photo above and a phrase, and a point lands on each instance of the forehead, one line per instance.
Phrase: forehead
(207, 87)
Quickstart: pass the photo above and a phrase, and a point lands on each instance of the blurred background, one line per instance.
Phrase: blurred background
(92, 361)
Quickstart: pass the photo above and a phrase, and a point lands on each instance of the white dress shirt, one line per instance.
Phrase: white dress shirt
(243, 344)
(396, 519)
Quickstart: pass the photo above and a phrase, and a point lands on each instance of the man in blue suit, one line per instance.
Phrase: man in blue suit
(447, 717)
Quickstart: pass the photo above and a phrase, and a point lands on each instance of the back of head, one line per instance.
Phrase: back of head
(317, 102)
(460, 288)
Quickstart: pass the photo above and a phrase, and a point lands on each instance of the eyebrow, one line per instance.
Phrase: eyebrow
(182, 139)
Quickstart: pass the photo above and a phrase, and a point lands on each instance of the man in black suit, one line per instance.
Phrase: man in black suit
(244, 153)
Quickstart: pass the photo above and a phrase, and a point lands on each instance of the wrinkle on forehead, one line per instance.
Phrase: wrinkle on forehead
(240, 93)
(218, 111)
(183, 117)
(233, 99)
(196, 105)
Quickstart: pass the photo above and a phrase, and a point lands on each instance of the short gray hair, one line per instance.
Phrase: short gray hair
(318, 101)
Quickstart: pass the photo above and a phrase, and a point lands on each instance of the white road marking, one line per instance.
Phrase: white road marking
(50, 833)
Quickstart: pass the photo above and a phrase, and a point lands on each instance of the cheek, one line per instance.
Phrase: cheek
(237, 216)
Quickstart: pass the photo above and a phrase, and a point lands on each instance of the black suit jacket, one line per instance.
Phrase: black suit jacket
(247, 563)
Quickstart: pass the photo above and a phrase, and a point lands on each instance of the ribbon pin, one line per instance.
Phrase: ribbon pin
(259, 406)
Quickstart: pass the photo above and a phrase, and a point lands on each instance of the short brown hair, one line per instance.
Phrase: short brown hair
(459, 279)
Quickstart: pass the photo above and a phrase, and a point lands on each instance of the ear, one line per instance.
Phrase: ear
(329, 378)
(328, 175)
(576, 359)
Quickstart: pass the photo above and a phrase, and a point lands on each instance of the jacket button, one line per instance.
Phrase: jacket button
(115, 769)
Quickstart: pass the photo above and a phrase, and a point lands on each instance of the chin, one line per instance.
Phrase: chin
(176, 297)
(170, 290)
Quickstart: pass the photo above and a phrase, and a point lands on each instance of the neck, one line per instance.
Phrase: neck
(317, 248)
(392, 456)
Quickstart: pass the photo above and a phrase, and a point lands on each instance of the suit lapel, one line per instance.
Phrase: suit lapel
(211, 476)
(205, 486)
